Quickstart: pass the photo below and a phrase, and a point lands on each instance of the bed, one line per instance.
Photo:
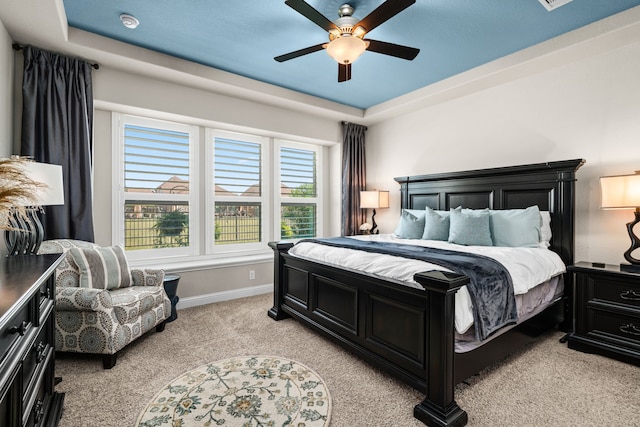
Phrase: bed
(409, 332)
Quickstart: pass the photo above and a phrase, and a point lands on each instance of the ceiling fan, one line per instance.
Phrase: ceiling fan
(346, 34)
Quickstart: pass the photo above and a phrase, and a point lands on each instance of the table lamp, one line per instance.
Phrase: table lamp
(623, 192)
(374, 199)
(26, 234)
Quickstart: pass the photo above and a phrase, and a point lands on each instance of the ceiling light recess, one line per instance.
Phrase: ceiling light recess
(553, 4)
(129, 21)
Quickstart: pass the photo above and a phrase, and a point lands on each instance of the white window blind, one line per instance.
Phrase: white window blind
(298, 192)
(152, 155)
(238, 168)
(238, 187)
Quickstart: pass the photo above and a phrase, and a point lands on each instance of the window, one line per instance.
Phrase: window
(245, 191)
(239, 191)
(298, 166)
(156, 191)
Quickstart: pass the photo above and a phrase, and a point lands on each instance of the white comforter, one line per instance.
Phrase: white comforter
(528, 267)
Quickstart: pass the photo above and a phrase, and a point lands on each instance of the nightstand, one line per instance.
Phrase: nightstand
(607, 311)
(171, 289)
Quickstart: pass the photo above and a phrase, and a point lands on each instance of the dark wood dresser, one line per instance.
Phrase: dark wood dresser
(27, 346)
(607, 312)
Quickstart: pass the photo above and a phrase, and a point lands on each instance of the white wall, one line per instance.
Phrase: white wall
(586, 109)
(6, 93)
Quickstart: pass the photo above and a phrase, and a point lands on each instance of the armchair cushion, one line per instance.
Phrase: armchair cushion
(102, 268)
(134, 302)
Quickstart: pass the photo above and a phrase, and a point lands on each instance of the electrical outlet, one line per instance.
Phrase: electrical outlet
(252, 274)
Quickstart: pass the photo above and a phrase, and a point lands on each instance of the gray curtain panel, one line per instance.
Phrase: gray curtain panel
(353, 178)
(57, 128)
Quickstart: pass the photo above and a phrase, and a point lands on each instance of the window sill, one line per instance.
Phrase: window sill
(204, 262)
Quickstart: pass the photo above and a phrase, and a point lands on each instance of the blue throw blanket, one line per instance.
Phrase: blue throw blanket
(490, 284)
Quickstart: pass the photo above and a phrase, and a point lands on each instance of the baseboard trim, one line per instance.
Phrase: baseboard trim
(187, 302)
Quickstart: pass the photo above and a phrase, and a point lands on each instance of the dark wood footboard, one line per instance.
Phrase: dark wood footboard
(407, 332)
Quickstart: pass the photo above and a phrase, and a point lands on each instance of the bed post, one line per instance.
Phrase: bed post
(439, 407)
(279, 248)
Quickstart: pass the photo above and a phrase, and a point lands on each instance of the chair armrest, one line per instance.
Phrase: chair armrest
(58, 246)
(83, 299)
(147, 277)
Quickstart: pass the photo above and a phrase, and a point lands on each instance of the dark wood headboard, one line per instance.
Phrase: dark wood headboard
(551, 186)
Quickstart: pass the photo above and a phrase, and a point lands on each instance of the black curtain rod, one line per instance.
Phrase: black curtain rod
(18, 46)
(346, 123)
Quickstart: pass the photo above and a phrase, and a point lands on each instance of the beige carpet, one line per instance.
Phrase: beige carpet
(545, 385)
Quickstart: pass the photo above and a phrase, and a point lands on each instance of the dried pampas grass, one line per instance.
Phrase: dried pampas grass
(17, 190)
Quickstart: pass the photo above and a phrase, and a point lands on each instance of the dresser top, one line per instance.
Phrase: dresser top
(20, 276)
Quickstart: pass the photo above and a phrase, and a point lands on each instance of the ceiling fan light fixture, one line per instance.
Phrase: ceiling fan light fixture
(346, 49)
(359, 31)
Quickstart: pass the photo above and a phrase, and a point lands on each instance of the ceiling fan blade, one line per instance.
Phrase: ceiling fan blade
(311, 14)
(301, 52)
(385, 11)
(392, 49)
(344, 72)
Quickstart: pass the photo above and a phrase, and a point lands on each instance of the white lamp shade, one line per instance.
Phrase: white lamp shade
(51, 175)
(620, 192)
(346, 49)
(374, 199)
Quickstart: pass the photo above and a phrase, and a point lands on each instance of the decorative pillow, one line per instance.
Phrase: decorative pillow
(102, 268)
(516, 227)
(470, 227)
(411, 225)
(436, 225)
(545, 230)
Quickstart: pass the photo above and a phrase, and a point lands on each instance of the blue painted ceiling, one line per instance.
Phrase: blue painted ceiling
(243, 37)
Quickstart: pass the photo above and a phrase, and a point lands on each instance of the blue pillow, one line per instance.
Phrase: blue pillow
(411, 225)
(470, 227)
(516, 227)
(436, 225)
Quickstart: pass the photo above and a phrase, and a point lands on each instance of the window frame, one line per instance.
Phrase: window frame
(120, 121)
(279, 200)
(211, 198)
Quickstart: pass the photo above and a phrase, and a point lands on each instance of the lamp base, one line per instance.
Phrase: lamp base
(630, 268)
(374, 226)
(26, 233)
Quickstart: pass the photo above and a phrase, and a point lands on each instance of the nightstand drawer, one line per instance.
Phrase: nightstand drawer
(615, 328)
(615, 291)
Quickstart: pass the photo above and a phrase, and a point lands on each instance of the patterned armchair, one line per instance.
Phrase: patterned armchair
(93, 316)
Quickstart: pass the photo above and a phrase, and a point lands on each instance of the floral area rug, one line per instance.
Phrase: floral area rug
(242, 391)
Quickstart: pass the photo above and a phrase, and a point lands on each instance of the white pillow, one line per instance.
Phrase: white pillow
(545, 229)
